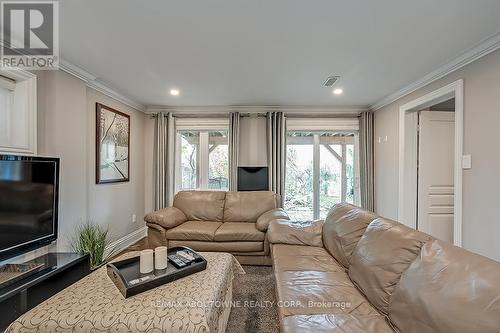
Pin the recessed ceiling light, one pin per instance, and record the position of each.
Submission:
(174, 92)
(338, 91)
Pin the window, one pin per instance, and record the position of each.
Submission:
(202, 155)
(321, 170)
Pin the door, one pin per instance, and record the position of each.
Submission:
(435, 174)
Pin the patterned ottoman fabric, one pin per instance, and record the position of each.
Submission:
(191, 304)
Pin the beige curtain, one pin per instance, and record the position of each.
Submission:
(234, 134)
(164, 160)
(276, 152)
(366, 163)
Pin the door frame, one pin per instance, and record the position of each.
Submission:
(407, 204)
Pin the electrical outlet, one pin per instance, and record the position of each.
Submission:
(134, 218)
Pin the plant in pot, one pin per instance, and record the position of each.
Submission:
(91, 239)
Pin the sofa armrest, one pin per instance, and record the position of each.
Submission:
(274, 214)
(168, 218)
(296, 233)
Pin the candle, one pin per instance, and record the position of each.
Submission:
(161, 258)
(146, 261)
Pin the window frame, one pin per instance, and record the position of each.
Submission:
(204, 126)
(341, 125)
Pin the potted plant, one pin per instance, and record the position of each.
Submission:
(91, 239)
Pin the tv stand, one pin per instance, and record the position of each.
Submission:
(60, 270)
(10, 273)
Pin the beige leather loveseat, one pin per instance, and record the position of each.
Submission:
(376, 275)
(234, 222)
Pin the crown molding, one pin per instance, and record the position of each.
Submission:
(92, 81)
(486, 46)
(222, 109)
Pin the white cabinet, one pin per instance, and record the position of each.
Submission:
(18, 112)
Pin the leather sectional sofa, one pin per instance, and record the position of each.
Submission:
(234, 222)
(371, 274)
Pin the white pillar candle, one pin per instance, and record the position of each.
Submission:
(161, 258)
(146, 261)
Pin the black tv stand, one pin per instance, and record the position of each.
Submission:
(61, 270)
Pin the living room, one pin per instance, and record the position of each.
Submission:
(278, 141)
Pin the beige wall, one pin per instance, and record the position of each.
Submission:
(62, 132)
(481, 184)
(66, 129)
(114, 204)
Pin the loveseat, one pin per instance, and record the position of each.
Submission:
(234, 222)
(371, 274)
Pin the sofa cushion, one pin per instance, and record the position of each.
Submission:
(238, 231)
(201, 205)
(194, 230)
(239, 247)
(384, 252)
(248, 206)
(341, 323)
(296, 232)
(277, 213)
(448, 289)
(344, 226)
(169, 217)
(315, 292)
(300, 250)
(303, 258)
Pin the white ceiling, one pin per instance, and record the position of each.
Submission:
(268, 52)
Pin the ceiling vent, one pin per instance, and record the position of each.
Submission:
(330, 81)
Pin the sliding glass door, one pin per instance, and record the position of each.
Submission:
(320, 172)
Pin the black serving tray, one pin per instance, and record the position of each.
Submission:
(124, 271)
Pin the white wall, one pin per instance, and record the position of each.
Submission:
(253, 146)
(66, 129)
(481, 184)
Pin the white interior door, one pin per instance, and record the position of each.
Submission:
(435, 174)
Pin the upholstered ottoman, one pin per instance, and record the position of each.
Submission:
(198, 303)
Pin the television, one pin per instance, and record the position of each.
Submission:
(253, 179)
(29, 189)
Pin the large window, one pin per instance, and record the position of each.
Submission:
(321, 171)
(202, 155)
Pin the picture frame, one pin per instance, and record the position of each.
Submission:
(112, 145)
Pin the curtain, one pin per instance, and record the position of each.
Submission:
(234, 134)
(164, 160)
(366, 164)
(276, 152)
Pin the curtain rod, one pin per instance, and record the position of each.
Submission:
(259, 115)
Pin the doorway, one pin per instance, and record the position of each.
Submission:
(430, 163)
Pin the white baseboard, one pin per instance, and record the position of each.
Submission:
(124, 242)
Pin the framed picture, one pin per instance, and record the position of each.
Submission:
(112, 145)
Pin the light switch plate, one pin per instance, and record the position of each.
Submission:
(466, 162)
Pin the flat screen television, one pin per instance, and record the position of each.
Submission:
(29, 189)
(253, 179)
